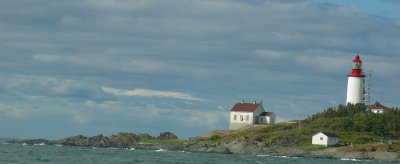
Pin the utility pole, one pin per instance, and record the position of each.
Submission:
(300, 122)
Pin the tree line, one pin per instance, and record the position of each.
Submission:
(358, 118)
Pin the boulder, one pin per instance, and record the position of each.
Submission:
(281, 140)
(219, 149)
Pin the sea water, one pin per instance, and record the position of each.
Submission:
(18, 153)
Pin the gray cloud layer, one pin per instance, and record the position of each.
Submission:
(293, 55)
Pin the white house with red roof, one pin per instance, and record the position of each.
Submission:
(377, 108)
(243, 114)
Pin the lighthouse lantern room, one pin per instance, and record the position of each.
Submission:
(355, 83)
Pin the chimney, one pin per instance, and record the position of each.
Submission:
(242, 101)
(255, 102)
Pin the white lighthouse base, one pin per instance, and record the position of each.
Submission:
(355, 86)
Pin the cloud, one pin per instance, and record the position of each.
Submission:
(78, 118)
(325, 63)
(293, 51)
(47, 58)
(70, 59)
(198, 118)
(270, 54)
(392, 1)
(149, 93)
(48, 87)
(15, 112)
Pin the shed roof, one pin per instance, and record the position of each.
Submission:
(329, 134)
(245, 107)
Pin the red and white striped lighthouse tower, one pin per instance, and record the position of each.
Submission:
(355, 83)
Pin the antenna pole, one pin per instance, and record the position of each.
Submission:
(367, 88)
(300, 122)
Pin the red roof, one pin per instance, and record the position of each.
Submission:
(357, 59)
(356, 72)
(377, 105)
(267, 113)
(245, 107)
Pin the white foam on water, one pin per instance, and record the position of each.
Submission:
(24, 144)
(263, 155)
(113, 148)
(58, 145)
(160, 150)
(351, 159)
(40, 144)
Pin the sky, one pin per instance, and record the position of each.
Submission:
(148, 66)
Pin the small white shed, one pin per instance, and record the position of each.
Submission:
(325, 138)
(377, 107)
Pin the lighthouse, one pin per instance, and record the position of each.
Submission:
(355, 83)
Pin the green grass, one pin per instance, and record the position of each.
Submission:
(310, 147)
(172, 142)
(158, 141)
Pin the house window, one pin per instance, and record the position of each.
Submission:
(234, 117)
(247, 118)
(321, 138)
(241, 117)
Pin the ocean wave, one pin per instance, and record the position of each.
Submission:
(352, 159)
(40, 144)
(160, 150)
(263, 155)
(276, 156)
(113, 148)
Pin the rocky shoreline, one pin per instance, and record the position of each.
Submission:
(245, 146)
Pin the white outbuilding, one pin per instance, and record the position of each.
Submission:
(266, 118)
(325, 138)
(377, 108)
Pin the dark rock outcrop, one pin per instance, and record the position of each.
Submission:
(78, 140)
(124, 140)
(281, 140)
(99, 141)
(30, 142)
(120, 140)
(167, 136)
